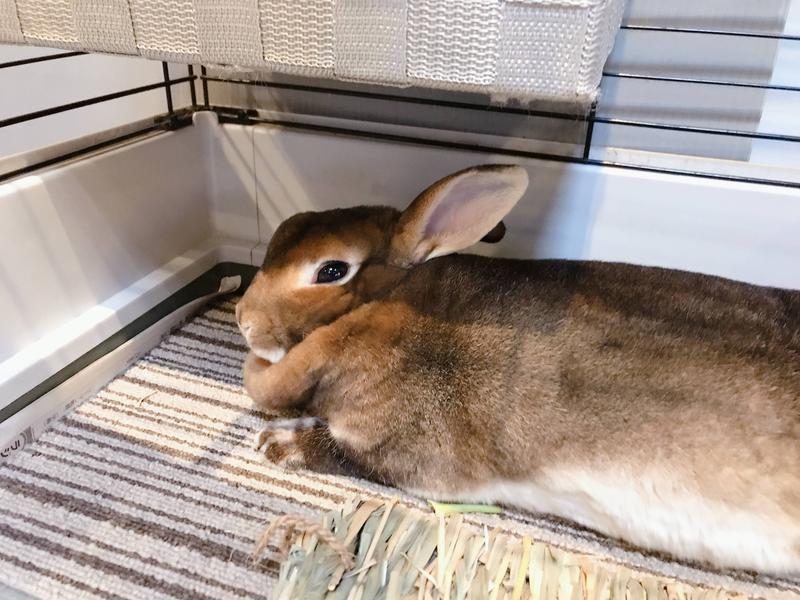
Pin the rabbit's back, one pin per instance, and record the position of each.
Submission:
(588, 388)
(618, 349)
(581, 358)
(542, 295)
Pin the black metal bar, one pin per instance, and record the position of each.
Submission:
(587, 143)
(744, 34)
(751, 135)
(88, 102)
(162, 125)
(206, 102)
(398, 98)
(167, 86)
(227, 115)
(192, 90)
(741, 84)
(37, 59)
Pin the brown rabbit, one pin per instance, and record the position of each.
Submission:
(656, 406)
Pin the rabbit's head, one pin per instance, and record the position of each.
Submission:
(321, 265)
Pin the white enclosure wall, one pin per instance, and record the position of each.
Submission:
(741, 231)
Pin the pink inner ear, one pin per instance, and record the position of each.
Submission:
(465, 206)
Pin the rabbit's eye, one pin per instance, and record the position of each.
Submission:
(331, 271)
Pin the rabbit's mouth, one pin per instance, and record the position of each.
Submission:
(265, 346)
(273, 354)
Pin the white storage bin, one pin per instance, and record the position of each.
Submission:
(524, 49)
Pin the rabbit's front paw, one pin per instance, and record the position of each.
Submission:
(279, 441)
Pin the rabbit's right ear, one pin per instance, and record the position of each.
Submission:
(456, 212)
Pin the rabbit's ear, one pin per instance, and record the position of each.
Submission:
(456, 212)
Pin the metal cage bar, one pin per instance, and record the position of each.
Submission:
(38, 59)
(741, 34)
(172, 119)
(46, 112)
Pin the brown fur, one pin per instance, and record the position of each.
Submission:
(448, 374)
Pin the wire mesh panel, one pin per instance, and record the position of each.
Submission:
(10, 29)
(523, 49)
(298, 35)
(370, 41)
(105, 25)
(48, 23)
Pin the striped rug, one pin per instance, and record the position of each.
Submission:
(151, 489)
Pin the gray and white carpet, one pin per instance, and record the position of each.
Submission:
(152, 489)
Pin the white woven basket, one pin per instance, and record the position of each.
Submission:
(524, 49)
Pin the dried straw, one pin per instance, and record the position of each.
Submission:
(389, 551)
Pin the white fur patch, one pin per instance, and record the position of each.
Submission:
(657, 512)
(282, 436)
(273, 355)
(285, 440)
(293, 424)
(282, 433)
(346, 436)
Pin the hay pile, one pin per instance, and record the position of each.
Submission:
(375, 549)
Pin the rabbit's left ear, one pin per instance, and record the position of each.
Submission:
(456, 212)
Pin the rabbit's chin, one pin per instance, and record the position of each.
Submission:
(273, 355)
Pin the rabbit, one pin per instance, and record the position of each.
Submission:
(655, 406)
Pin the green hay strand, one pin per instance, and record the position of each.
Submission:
(446, 509)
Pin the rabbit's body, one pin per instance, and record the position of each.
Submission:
(657, 406)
